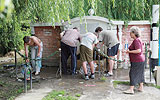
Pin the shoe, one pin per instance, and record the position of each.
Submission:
(140, 90)
(36, 73)
(86, 77)
(106, 71)
(128, 92)
(92, 76)
(108, 74)
(74, 73)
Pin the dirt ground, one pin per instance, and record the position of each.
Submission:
(94, 89)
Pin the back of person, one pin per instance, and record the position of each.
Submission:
(109, 38)
(89, 39)
(71, 37)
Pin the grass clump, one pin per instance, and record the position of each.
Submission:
(115, 83)
(78, 95)
(103, 78)
(59, 95)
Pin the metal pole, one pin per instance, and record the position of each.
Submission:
(159, 46)
(30, 77)
(25, 79)
(60, 66)
(99, 62)
(150, 67)
(146, 52)
(16, 62)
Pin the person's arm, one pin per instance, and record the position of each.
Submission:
(26, 51)
(62, 34)
(39, 46)
(79, 37)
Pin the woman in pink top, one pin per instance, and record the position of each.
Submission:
(137, 59)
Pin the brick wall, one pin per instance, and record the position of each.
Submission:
(50, 38)
(145, 35)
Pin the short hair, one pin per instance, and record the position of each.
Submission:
(98, 29)
(136, 31)
(75, 28)
(26, 39)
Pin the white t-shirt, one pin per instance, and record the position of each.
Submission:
(89, 39)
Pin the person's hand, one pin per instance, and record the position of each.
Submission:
(27, 60)
(38, 54)
(127, 51)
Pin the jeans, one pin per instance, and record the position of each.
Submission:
(36, 64)
(66, 51)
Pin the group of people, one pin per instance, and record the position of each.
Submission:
(69, 40)
(71, 37)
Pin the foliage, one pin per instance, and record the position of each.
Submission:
(58, 95)
(6, 7)
(12, 29)
(11, 34)
(128, 9)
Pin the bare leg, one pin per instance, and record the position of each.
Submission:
(140, 87)
(132, 88)
(111, 62)
(84, 67)
(92, 66)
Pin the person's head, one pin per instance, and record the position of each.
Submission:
(98, 29)
(135, 31)
(75, 28)
(26, 39)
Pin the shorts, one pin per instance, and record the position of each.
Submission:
(86, 54)
(113, 50)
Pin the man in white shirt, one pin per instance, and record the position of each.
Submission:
(89, 40)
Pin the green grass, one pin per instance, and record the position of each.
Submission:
(153, 85)
(115, 83)
(158, 87)
(59, 95)
(103, 78)
(10, 91)
(78, 95)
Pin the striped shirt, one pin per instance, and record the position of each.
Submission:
(71, 37)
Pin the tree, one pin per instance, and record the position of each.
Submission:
(25, 12)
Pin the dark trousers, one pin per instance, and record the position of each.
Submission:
(66, 51)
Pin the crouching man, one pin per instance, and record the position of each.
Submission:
(36, 52)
